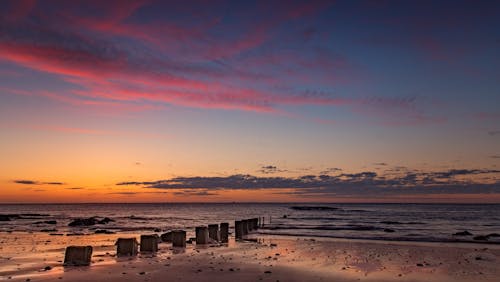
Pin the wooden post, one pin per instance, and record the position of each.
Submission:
(126, 247)
(238, 229)
(201, 235)
(149, 243)
(224, 232)
(244, 223)
(77, 255)
(213, 232)
(179, 238)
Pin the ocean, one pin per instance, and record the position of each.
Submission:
(395, 222)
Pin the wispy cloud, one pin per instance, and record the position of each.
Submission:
(269, 169)
(361, 184)
(34, 182)
(494, 132)
(119, 59)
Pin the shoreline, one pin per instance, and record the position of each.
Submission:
(266, 257)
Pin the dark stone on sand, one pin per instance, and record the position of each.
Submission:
(166, 237)
(481, 238)
(267, 272)
(83, 222)
(103, 231)
(48, 230)
(463, 233)
(89, 221)
(47, 268)
(419, 264)
(313, 208)
(493, 235)
(105, 220)
(4, 217)
(157, 230)
(388, 230)
(46, 222)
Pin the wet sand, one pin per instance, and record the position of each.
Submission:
(25, 256)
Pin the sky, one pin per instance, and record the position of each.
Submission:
(244, 101)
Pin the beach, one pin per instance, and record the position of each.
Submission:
(262, 257)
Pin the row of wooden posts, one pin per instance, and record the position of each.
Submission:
(81, 255)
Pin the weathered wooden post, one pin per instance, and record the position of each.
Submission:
(244, 223)
(224, 232)
(201, 235)
(179, 238)
(149, 243)
(77, 255)
(213, 232)
(126, 247)
(238, 229)
(256, 223)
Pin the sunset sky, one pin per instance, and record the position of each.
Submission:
(163, 101)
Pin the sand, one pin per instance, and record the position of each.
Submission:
(25, 256)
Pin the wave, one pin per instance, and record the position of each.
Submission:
(314, 208)
(325, 227)
(380, 238)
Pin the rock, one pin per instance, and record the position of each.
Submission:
(419, 264)
(166, 237)
(157, 230)
(46, 222)
(388, 230)
(47, 268)
(493, 235)
(83, 222)
(89, 221)
(105, 220)
(481, 238)
(463, 233)
(4, 217)
(103, 231)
